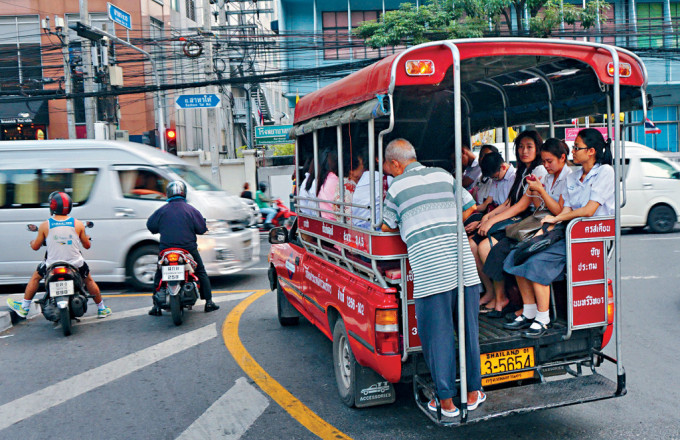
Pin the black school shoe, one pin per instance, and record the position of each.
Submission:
(211, 307)
(532, 333)
(520, 323)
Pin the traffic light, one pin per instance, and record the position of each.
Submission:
(171, 140)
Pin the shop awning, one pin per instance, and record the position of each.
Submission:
(24, 112)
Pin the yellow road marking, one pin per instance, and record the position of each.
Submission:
(298, 410)
(132, 295)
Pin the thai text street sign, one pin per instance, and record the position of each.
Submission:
(272, 134)
(119, 16)
(208, 100)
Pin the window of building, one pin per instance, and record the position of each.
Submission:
(142, 184)
(191, 9)
(675, 18)
(174, 4)
(336, 39)
(31, 188)
(650, 24)
(20, 56)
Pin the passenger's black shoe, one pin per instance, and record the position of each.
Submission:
(535, 333)
(155, 311)
(521, 322)
(211, 307)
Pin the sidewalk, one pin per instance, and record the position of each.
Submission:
(7, 319)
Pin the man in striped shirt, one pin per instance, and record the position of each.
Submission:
(421, 204)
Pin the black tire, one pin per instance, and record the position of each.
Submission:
(280, 298)
(176, 309)
(344, 364)
(141, 267)
(65, 321)
(661, 219)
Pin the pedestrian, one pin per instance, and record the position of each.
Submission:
(246, 193)
(421, 205)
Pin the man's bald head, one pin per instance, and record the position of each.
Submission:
(400, 150)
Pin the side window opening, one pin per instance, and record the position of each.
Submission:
(30, 188)
(142, 184)
(658, 168)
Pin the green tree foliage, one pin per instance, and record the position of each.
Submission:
(442, 19)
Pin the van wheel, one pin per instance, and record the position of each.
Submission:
(344, 364)
(141, 267)
(661, 219)
(281, 301)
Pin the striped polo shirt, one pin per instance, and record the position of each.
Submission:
(421, 202)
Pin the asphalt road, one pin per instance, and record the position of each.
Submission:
(134, 376)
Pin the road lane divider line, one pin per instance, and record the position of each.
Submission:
(230, 416)
(298, 410)
(144, 310)
(53, 395)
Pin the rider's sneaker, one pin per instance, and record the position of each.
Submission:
(210, 306)
(103, 313)
(16, 306)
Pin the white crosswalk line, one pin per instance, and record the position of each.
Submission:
(144, 310)
(230, 416)
(46, 398)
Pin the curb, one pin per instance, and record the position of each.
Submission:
(5, 321)
(8, 319)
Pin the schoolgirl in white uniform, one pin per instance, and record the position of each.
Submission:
(589, 192)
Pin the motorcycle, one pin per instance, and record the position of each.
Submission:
(284, 216)
(65, 293)
(179, 285)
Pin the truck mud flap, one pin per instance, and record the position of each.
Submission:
(523, 399)
(371, 389)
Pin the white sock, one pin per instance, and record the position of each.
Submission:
(26, 304)
(530, 310)
(543, 317)
(101, 305)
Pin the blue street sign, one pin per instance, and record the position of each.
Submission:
(208, 100)
(119, 16)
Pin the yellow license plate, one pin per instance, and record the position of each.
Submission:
(507, 361)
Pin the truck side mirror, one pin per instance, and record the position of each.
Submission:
(278, 235)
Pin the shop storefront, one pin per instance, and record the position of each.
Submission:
(24, 121)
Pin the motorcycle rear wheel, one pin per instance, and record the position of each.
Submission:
(176, 309)
(65, 320)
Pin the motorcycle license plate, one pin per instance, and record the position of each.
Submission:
(61, 288)
(173, 273)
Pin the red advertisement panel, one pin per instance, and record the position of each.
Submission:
(413, 338)
(589, 304)
(587, 261)
(351, 237)
(593, 229)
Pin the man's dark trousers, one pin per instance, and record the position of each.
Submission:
(435, 316)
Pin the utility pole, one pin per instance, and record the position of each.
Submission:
(70, 113)
(226, 100)
(88, 82)
(210, 70)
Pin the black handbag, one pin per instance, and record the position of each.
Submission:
(538, 243)
(526, 228)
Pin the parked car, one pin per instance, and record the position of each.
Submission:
(117, 185)
(652, 188)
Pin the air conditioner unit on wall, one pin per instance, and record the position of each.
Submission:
(122, 135)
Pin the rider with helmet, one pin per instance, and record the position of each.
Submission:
(63, 236)
(262, 202)
(178, 223)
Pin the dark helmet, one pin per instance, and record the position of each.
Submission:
(262, 186)
(176, 188)
(60, 203)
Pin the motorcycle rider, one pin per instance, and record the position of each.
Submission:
(263, 202)
(178, 223)
(63, 236)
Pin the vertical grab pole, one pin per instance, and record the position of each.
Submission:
(375, 223)
(618, 168)
(457, 114)
(315, 139)
(341, 174)
(297, 174)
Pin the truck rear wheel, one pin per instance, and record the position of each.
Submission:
(344, 364)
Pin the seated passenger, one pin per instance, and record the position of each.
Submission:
(362, 196)
(471, 168)
(481, 187)
(328, 179)
(589, 192)
(353, 168)
(308, 191)
(544, 194)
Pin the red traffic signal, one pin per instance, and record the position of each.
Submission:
(171, 140)
(170, 134)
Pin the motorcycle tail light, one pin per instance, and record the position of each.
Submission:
(173, 258)
(60, 270)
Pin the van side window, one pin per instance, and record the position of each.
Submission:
(142, 184)
(658, 168)
(30, 188)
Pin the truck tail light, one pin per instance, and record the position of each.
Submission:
(610, 316)
(387, 331)
(419, 67)
(624, 69)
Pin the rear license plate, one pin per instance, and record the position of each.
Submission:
(61, 288)
(173, 273)
(507, 361)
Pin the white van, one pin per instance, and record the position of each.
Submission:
(652, 187)
(117, 185)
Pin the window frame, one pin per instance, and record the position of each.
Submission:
(9, 200)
